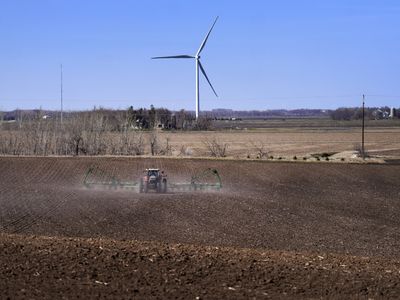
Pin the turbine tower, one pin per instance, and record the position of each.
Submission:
(198, 66)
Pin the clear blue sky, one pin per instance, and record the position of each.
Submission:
(261, 55)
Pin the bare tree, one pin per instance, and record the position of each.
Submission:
(261, 152)
(95, 132)
(71, 136)
(138, 144)
(153, 141)
(215, 147)
(165, 149)
(203, 123)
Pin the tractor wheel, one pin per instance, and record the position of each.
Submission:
(141, 186)
(159, 187)
(164, 186)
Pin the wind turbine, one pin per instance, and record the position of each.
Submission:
(198, 66)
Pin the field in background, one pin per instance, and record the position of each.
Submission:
(287, 138)
(257, 123)
(287, 142)
(245, 139)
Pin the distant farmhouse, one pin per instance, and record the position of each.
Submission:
(383, 113)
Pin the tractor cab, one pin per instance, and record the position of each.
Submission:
(152, 175)
(153, 172)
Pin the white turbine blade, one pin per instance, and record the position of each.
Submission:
(205, 75)
(206, 38)
(175, 56)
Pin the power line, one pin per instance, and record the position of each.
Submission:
(261, 99)
(383, 96)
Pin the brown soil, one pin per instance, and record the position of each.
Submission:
(283, 229)
(102, 268)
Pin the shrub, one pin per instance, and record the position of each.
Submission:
(215, 147)
(260, 150)
(203, 123)
(185, 151)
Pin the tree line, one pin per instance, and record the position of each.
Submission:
(95, 132)
(355, 113)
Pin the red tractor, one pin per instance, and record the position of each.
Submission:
(155, 180)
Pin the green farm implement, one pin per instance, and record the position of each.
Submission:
(153, 180)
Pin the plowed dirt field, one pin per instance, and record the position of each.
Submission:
(275, 229)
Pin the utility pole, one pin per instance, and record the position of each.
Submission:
(61, 117)
(363, 128)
